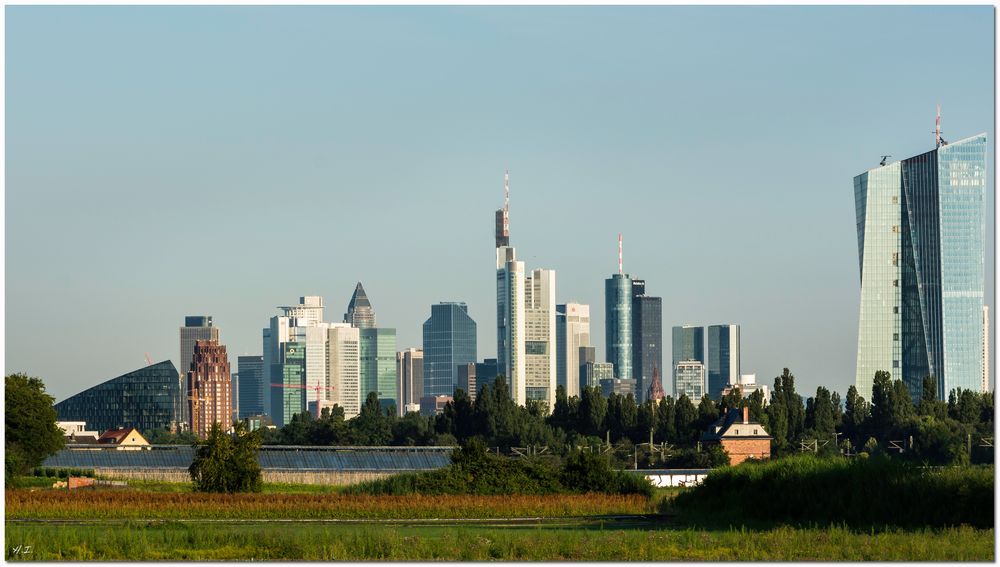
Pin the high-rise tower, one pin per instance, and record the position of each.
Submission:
(510, 307)
(618, 319)
(449, 342)
(723, 358)
(196, 328)
(647, 337)
(360, 312)
(921, 253)
(572, 332)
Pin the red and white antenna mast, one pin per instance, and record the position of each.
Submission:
(937, 128)
(506, 202)
(620, 254)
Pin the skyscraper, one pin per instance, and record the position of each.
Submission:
(588, 355)
(618, 319)
(148, 398)
(688, 343)
(449, 342)
(251, 390)
(378, 364)
(288, 393)
(986, 349)
(210, 395)
(540, 336)
(689, 379)
(360, 312)
(343, 359)
(572, 332)
(409, 379)
(302, 324)
(647, 337)
(723, 358)
(921, 254)
(196, 328)
(510, 306)
(486, 373)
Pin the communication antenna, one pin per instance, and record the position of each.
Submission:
(620, 253)
(506, 202)
(937, 128)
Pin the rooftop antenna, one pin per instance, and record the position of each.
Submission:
(883, 160)
(506, 201)
(619, 253)
(937, 128)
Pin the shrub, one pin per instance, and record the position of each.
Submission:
(225, 463)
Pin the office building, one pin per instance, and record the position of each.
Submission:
(288, 393)
(540, 336)
(409, 379)
(747, 384)
(647, 337)
(486, 374)
(196, 328)
(449, 342)
(467, 379)
(510, 279)
(250, 395)
(688, 343)
(378, 364)
(343, 358)
(986, 349)
(303, 324)
(921, 254)
(618, 319)
(360, 312)
(593, 372)
(572, 332)
(209, 389)
(723, 357)
(587, 355)
(148, 398)
(689, 379)
(618, 386)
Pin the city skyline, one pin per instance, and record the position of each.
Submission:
(783, 210)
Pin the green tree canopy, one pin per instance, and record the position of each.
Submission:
(227, 463)
(31, 432)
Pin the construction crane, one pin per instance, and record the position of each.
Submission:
(883, 159)
(149, 361)
(317, 388)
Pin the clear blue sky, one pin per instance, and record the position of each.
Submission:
(172, 161)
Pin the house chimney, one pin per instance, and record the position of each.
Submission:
(746, 415)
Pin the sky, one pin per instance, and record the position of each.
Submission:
(172, 161)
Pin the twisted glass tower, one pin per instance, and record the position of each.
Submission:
(921, 253)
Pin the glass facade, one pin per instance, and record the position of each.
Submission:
(689, 379)
(449, 342)
(288, 396)
(723, 358)
(687, 343)
(647, 337)
(251, 390)
(618, 323)
(378, 363)
(146, 399)
(572, 332)
(921, 252)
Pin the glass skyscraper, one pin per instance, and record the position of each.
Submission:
(723, 358)
(288, 397)
(647, 337)
(687, 344)
(921, 253)
(378, 364)
(618, 323)
(449, 341)
(251, 390)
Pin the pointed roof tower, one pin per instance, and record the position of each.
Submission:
(655, 392)
(360, 312)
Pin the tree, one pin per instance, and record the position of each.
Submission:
(856, 415)
(666, 430)
(371, 426)
(31, 431)
(929, 404)
(707, 413)
(227, 463)
(593, 407)
(685, 416)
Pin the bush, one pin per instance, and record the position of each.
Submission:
(225, 463)
(475, 471)
(858, 492)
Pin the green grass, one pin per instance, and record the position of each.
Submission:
(270, 541)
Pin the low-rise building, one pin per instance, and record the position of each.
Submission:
(124, 439)
(75, 432)
(747, 384)
(741, 438)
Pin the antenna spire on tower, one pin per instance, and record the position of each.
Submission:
(937, 128)
(506, 202)
(620, 254)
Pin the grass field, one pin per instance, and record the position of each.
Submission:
(590, 542)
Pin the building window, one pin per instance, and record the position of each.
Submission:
(895, 283)
(895, 336)
(895, 364)
(895, 200)
(895, 309)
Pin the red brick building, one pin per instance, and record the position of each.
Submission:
(210, 389)
(741, 438)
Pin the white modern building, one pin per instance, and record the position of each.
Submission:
(747, 383)
(540, 336)
(343, 357)
(572, 332)
(689, 379)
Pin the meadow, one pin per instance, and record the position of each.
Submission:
(178, 541)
